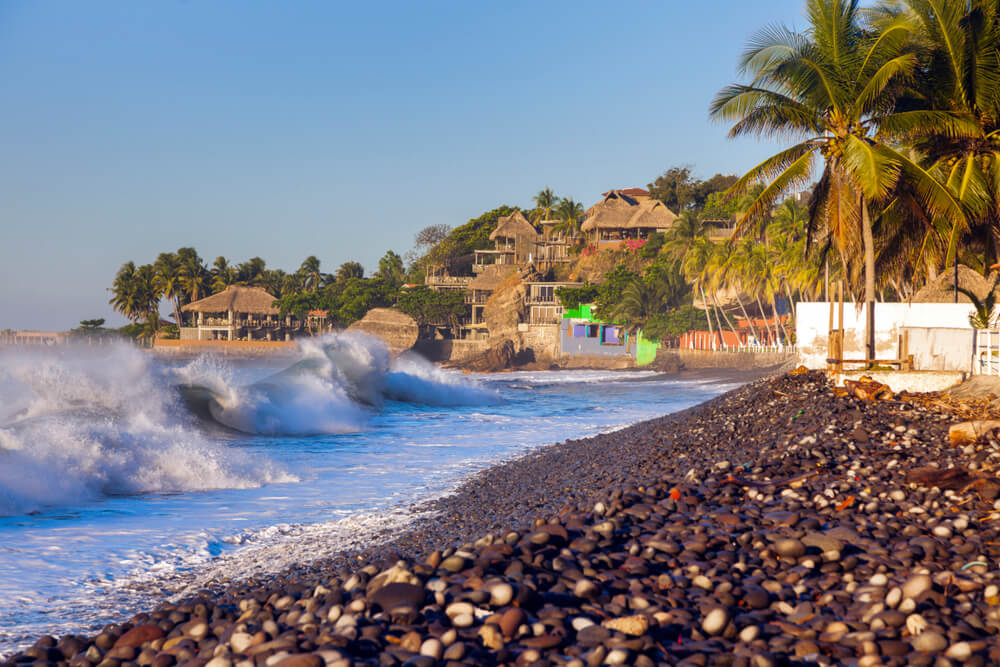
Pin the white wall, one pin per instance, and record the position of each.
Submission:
(940, 333)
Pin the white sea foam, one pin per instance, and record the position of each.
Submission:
(82, 423)
(335, 387)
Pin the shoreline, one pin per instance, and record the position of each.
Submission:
(636, 498)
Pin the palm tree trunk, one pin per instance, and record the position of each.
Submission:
(708, 316)
(777, 318)
(753, 329)
(869, 244)
(728, 321)
(770, 325)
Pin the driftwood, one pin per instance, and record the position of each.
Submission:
(957, 479)
(966, 432)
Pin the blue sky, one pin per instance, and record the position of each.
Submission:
(328, 128)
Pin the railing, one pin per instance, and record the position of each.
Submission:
(447, 280)
(986, 356)
(477, 299)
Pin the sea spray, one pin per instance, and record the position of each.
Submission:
(337, 385)
(81, 423)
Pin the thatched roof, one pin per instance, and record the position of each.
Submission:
(652, 214)
(492, 276)
(942, 289)
(514, 226)
(396, 328)
(612, 212)
(238, 299)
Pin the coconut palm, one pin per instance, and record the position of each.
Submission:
(833, 89)
(194, 277)
(312, 277)
(168, 281)
(686, 230)
(545, 203)
(251, 272)
(958, 44)
(222, 274)
(570, 214)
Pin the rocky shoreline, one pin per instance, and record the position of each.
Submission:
(775, 524)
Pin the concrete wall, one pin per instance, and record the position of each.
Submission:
(543, 339)
(189, 333)
(933, 324)
(588, 347)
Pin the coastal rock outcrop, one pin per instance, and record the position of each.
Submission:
(396, 328)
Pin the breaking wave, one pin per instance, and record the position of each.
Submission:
(336, 386)
(77, 424)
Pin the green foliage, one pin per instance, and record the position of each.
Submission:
(428, 306)
(653, 245)
(390, 268)
(611, 290)
(675, 322)
(572, 297)
(680, 191)
(456, 249)
(985, 307)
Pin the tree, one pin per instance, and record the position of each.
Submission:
(832, 87)
(675, 188)
(168, 281)
(570, 214)
(251, 272)
(545, 204)
(430, 307)
(390, 268)
(349, 270)
(222, 275)
(194, 277)
(310, 274)
(430, 236)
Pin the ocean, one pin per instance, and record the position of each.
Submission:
(125, 478)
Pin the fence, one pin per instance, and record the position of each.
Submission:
(986, 352)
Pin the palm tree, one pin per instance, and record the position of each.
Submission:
(832, 88)
(545, 203)
(686, 230)
(570, 213)
(223, 275)
(168, 281)
(693, 264)
(350, 270)
(251, 272)
(123, 292)
(958, 44)
(312, 277)
(194, 277)
(641, 299)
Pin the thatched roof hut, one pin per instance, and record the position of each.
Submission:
(612, 212)
(514, 226)
(942, 288)
(235, 298)
(396, 328)
(491, 277)
(651, 214)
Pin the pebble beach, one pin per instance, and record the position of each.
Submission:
(776, 524)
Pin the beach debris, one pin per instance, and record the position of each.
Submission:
(867, 389)
(970, 431)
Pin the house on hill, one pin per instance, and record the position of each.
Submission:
(621, 217)
(237, 313)
(515, 240)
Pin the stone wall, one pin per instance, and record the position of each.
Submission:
(543, 339)
(718, 359)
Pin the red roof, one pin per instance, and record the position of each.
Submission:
(629, 192)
